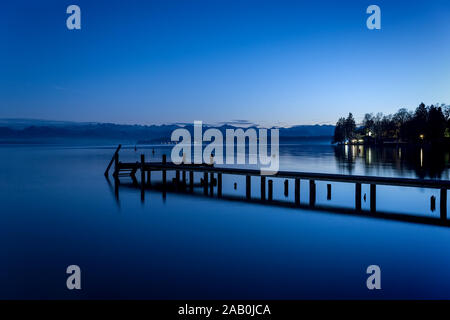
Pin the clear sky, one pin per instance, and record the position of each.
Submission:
(271, 62)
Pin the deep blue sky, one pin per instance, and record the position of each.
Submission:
(272, 62)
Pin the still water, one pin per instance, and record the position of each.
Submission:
(57, 209)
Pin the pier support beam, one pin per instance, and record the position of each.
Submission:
(116, 165)
(358, 196)
(373, 197)
(248, 186)
(312, 193)
(263, 188)
(270, 187)
(142, 170)
(328, 191)
(219, 185)
(286, 187)
(443, 200)
(297, 191)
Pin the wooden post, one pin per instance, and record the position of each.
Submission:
(116, 165)
(297, 191)
(205, 183)
(263, 188)
(443, 200)
(433, 203)
(358, 196)
(219, 184)
(248, 186)
(373, 197)
(177, 178)
(142, 170)
(270, 187)
(191, 181)
(142, 178)
(113, 159)
(328, 191)
(211, 184)
(286, 187)
(164, 160)
(312, 193)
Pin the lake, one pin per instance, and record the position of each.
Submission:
(57, 209)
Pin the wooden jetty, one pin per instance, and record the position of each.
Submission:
(212, 177)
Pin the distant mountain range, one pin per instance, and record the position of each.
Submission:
(41, 131)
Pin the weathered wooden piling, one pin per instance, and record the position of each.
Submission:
(358, 196)
(328, 191)
(263, 188)
(219, 184)
(297, 191)
(312, 193)
(443, 202)
(248, 187)
(433, 203)
(373, 197)
(270, 187)
(286, 187)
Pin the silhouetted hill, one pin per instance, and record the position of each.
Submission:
(29, 130)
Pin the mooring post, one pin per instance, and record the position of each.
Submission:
(270, 186)
(191, 180)
(211, 184)
(329, 191)
(142, 170)
(177, 178)
(219, 184)
(312, 193)
(373, 197)
(297, 191)
(205, 183)
(248, 186)
(443, 200)
(164, 160)
(358, 196)
(286, 187)
(263, 188)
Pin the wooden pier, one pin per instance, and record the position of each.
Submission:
(212, 178)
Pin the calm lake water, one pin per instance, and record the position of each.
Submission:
(57, 209)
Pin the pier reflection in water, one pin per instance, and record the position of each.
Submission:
(212, 178)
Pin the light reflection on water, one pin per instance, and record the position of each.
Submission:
(57, 209)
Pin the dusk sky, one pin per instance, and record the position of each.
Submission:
(270, 62)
